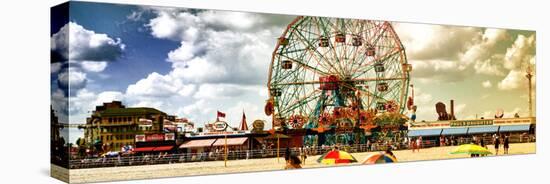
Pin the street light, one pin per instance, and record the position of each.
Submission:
(529, 75)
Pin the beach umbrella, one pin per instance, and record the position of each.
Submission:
(336, 157)
(379, 158)
(470, 149)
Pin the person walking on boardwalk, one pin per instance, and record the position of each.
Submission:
(506, 144)
(303, 155)
(497, 144)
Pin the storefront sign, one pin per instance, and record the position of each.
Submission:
(140, 138)
(471, 123)
(169, 137)
(220, 126)
(154, 137)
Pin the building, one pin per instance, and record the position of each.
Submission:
(116, 125)
(518, 129)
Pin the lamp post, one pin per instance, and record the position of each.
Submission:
(529, 75)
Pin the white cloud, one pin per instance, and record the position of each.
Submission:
(211, 41)
(55, 67)
(427, 42)
(490, 66)
(72, 78)
(217, 91)
(76, 51)
(155, 85)
(514, 80)
(438, 71)
(92, 66)
(74, 42)
(487, 84)
(521, 53)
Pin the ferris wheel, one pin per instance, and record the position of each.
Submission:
(336, 72)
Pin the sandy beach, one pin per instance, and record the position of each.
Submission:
(233, 166)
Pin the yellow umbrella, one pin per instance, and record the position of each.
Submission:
(471, 149)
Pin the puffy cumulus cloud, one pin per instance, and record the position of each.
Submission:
(521, 53)
(483, 51)
(518, 58)
(156, 85)
(514, 80)
(487, 84)
(216, 64)
(233, 45)
(198, 110)
(71, 78)
(427, 42)
(490, 66)
(92, 66)
(218, 91)
(74, 42)
(60, 104)
(428, 71)
(77, 51)
(452, 53)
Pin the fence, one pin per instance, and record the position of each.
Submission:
(165, 158)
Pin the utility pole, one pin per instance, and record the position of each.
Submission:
(529, 75)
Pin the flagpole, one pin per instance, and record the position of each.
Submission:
(225, 160)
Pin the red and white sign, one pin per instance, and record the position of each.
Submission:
(169, 137)
(143, 121)
(140, 138)
(154, 137)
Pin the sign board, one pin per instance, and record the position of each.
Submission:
(154, 137)
(140, 138)
(479, 122)
(258, 126)
(169, 136)
(220, 126)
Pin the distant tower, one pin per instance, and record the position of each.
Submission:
(529, 76)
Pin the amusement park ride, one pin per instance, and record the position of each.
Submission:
(337, 74)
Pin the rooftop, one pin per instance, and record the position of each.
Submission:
(129, 111)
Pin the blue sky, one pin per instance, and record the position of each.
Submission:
(193, 63)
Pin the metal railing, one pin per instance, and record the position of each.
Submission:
(167, 158)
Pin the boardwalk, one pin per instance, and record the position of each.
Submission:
(217, 167)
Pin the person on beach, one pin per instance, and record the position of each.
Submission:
(293, 162)
(389, 152)
(506, 144)
(482, 144)
(413, 144)
(419, 144)
(497, 144)
(287, 153)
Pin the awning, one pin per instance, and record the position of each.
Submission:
(425, 132)
(198, 143)
(514, 128)
(236, 141)
(454, 131)
(275, 136)
(144, 149)
(163, 148)
(483, 129)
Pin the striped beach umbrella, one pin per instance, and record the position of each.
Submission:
(379, 158)
(471, 149)
(336, 157)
